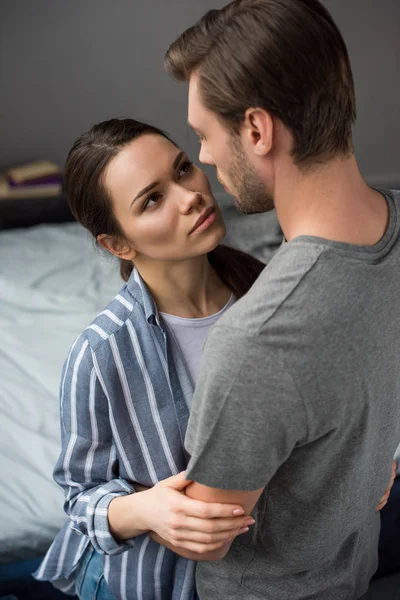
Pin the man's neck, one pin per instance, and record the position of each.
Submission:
(331, 201)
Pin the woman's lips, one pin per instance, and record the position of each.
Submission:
(207, 219)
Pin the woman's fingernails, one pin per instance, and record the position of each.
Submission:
(238, 512)
(243, 530)
(250, 521)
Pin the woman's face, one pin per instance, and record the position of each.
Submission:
(162, 202)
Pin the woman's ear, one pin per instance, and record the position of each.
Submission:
(116, 246)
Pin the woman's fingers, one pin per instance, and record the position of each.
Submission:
(209, 539)
(394, 471)
(199, 548)
(209, 510)
(175, 482)
(381, 504)
(383, 501)
(212, 529)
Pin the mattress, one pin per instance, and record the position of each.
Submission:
(53, 281)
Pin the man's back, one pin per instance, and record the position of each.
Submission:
(307, 404)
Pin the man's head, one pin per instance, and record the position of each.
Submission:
(266, 77)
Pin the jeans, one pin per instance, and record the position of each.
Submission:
(90, 582)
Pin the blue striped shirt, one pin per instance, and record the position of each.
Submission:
(124, 401)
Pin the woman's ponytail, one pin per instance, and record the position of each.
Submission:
(237, 269)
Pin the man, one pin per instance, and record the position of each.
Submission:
(297, 404)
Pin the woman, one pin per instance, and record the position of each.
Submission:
(128, 380)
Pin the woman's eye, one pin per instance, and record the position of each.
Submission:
(185, 168)
(151, 201)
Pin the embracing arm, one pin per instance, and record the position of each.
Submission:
(247, 500)
(242, 428)
(246, 419)
(383, 501)
(194, 529)
(103, 506)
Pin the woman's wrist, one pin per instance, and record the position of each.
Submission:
(188, 554)
(127, 516)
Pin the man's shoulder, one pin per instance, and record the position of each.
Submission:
(277, 283)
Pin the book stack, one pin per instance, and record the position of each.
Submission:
(36, 179)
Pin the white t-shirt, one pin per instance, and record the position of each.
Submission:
(190, 336)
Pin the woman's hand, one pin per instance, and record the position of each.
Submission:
(385, 497)
(189, 525)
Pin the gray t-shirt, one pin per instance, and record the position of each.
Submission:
(299, 391)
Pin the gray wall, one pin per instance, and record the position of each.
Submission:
(66, 64)
(371, 29)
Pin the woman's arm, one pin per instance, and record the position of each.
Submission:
(189, 527)
(207, 554)
(88, 459)
(105, 508)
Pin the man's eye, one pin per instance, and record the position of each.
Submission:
(185, 168)
(151, 201)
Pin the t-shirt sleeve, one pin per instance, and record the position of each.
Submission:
(247, 416)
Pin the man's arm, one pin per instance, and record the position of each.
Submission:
(247, 500)
(246, 418)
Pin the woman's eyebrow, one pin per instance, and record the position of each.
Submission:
(177, 160)
(144, 191)
(149, 187)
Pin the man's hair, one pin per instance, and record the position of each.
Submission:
(285, 56)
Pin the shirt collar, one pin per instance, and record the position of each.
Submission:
(141, 293)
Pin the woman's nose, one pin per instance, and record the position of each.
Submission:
(189, 200)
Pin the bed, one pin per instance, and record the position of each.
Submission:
(53, 281)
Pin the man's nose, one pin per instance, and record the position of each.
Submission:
(205, 156)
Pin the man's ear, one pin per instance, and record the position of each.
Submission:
(258, 131)
(116, 246)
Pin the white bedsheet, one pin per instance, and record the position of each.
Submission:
(52, 283)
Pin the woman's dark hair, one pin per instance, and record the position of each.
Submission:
(88, 197)
(90, 202)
